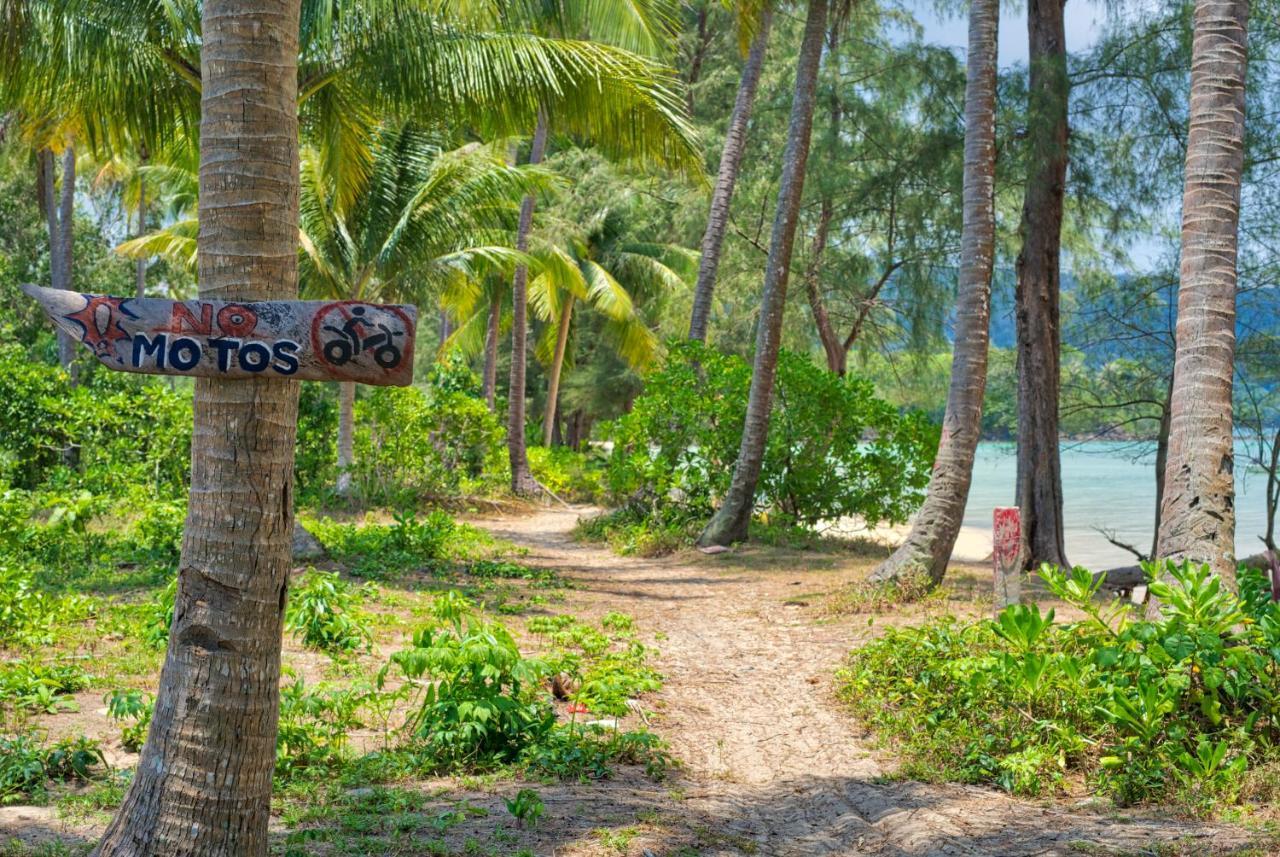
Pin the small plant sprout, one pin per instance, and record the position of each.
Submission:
(527, 807)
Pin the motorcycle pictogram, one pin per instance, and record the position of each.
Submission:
(351, 343)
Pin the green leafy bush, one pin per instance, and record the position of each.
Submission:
(412, 442)
(29, 615)
(576, 477)
(378, 550)
(132, 709)
(316, 723)
(480, 701)
(41, 688)
(125, 430)
(1177, 708)
(324, 612)
(26, 765)
(834, 449)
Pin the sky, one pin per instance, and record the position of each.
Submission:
(1083, 18)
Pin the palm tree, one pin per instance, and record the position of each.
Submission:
(640, 26)
(608, 273)
(735, 143)
(422, 219)
(1197, 517)
(928, 546)
(419, 222)
(1039, 480)
(203, 783)
(729, 524)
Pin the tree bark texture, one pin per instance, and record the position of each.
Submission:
(346, 436)
(59, 214)
(203, 782)
(924, 554)
(731, 520)
(1197, 519)
(522, 481)
(735, 142)
(491, 354)
(557, 368)
(1039, 472)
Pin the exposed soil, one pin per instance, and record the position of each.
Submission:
(770, 763)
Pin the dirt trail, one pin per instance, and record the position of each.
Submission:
(771, 764)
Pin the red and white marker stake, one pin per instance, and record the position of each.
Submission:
(1006, 526)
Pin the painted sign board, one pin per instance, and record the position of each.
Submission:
(1006, 531)
(302, 340)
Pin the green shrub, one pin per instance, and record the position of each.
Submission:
(412, 442)
(29, 615)
(834, 449)
(1177, 708)
(576, 477)
(40, 688)
(324, 612)
(316, 723)
(480, 701)
(377, 550)
(26, 766)
(132, 709)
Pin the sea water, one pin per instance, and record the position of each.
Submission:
(1111, 486)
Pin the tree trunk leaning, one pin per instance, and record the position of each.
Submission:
(557, 367)
(522, 481)
(924, 554)
(731, 520)
(735, 142)
(346, 436)
(203, 782)
(1039, 472)
(1197, 520)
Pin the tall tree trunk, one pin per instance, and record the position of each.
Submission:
(346, 436)
(446, 327)
(58, 212)
(203, 783)
(700, 45)
(557, 366)
(735, 142)
(1198, 512)
(1039, 479)
(140, 266)
(491, 354)
(730, 522)
(1162, 460)
(831, 344)
(522, 481)
(924, 554)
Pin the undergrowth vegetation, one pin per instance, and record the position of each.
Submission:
(1183, 708)
(834, 450)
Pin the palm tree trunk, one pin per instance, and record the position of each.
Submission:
(203, 783)
(1197, 521)
(729, 524)
(1162, 460)
(924, 554)
(522, 481)
(1039, 479)
(140, 266)
(59, 211)
(491, 354)
(735, 142)
(557, 366)
(346, 436)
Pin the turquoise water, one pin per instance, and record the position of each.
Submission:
(1109, 485)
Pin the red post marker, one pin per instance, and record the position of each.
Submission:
(1006, 535)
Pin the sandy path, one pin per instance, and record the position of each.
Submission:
(772, 765)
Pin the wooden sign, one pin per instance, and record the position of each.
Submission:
(1006, 537)
(302, 340)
